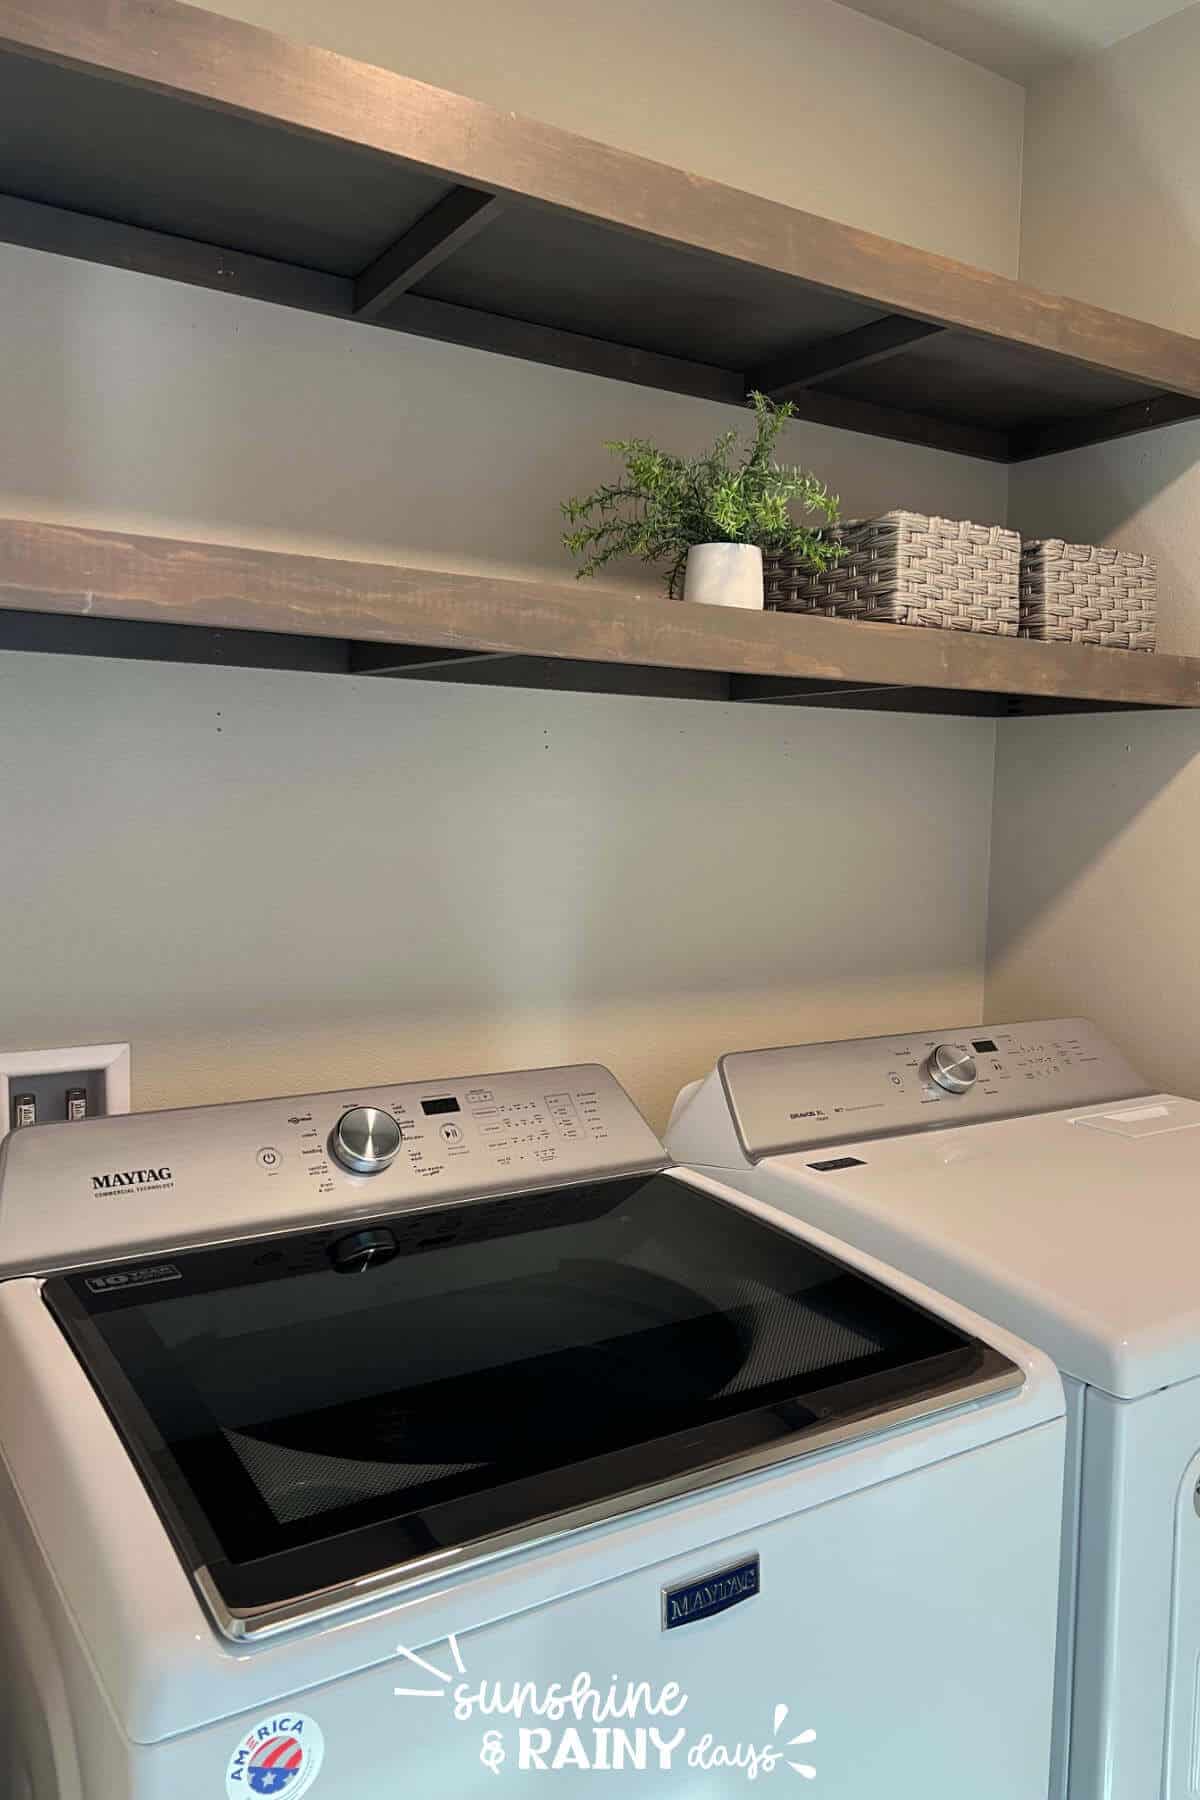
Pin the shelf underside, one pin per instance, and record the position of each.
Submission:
(163, 139)
(69, 590)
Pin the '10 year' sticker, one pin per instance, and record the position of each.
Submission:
(280, 1755)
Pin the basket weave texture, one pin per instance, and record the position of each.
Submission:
(1079, 594)
(906, 569)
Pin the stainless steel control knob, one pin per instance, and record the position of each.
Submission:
(953, 1068)
(366, 1140)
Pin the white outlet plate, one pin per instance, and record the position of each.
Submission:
(108, 1063)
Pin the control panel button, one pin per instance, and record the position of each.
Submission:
(362, 1250)
(453, 1134)
(366, 1140)
(952, 1068)
(268, 1157)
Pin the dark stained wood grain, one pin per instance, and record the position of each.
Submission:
(133, 247)
(134, 640)
(848, 413)
(217, 62)
(42, 227)
(410, 659)
(561, 675)
(121, 246)
(453, 222)
(1123, 421)
(64, 233)
(89, 575)
(886, 337)
(483, 330)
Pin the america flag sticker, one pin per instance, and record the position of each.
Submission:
(280, 1755)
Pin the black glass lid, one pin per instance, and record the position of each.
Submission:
(310, 1409)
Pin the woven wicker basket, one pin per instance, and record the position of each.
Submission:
(1078, 594)
(905, 569)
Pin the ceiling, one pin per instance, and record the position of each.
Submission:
(1020, 38)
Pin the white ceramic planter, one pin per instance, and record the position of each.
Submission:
(725, 575)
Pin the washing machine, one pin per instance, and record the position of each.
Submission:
(431, 1437)
(1029, 1171)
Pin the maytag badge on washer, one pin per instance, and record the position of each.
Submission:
(690, 1601)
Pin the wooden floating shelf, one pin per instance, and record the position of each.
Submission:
(156, 137)
(100, 593)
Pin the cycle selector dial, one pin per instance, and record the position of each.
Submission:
(952, 1068)
(365, 1139)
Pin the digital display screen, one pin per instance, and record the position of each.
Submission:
(986, 1047)
(447, 1103)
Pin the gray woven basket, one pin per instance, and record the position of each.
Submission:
(1079, 594)
(905, 569)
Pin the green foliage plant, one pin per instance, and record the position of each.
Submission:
(734, 494)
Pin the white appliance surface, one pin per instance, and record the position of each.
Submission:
(1057, 1196)
(905, 1563)
(1085, 1240)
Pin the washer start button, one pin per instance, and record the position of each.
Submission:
(268, 1157)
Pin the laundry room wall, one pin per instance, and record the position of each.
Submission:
(805, 101)
(1096, 852)
(271, 882)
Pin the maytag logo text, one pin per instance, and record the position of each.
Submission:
(129, 1178)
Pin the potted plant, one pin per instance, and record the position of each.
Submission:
(709, 518)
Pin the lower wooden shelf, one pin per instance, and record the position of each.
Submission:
(99, 593)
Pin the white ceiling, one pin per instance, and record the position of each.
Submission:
(1020, 38)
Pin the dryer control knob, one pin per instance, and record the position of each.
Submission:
(952, 1067)
(366, 1140)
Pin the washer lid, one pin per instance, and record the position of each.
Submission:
(319, 1426)
(1079, 1231)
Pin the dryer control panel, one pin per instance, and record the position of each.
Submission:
(806, 1095)
(70, 1194)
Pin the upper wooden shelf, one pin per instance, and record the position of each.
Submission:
(157, 137)
(100, 593)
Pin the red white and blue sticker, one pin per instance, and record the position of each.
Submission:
(280, 1755)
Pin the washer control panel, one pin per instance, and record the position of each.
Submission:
(812, 1094)
(108, 1185)
(479, 1133)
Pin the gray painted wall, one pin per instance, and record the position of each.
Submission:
(1096, 858)
(272, 883)
(280, 882)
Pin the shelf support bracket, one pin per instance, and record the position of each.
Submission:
(441, 231)
(851, 350)
(405, 659)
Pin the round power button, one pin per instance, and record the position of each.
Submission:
(268, 1157)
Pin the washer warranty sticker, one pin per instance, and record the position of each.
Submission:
(279, 1755)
